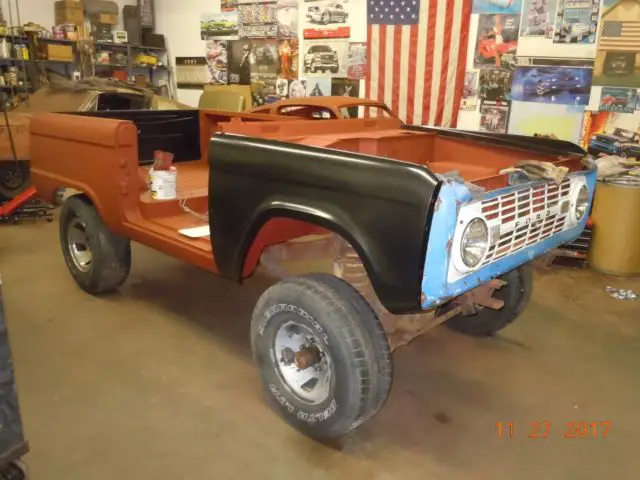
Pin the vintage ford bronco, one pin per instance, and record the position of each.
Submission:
(424, 212)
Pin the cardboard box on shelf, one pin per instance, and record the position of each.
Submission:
(104, 18)
(58, 53)
(69, 11)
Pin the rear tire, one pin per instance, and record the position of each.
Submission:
(352, 378)
(98, 259)
(486, 322)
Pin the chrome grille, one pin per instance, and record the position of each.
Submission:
(505, 215)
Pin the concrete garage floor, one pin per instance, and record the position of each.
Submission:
(156, 382)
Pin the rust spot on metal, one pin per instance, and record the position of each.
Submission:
(482, 296)
(307, 357)
(449, 244)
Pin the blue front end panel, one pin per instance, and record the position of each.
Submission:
(518, 234)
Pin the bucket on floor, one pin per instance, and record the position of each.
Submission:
(164, 184)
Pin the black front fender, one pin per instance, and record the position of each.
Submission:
(382, 207)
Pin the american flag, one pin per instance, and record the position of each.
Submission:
(621, 36)
(417, 57)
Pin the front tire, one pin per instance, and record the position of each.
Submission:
(345, 375)
(98, 259)
(487, 322)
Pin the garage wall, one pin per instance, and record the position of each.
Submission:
(179, 21)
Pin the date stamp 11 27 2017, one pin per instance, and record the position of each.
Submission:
(546, 429)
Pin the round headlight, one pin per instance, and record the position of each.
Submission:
(474, 244)
(582, 202)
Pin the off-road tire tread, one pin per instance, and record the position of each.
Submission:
(111, 262)
(341, 302)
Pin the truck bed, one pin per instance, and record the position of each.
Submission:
(119, 146)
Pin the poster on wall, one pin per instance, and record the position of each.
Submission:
(263, 56)
(298, 88)
(288, 54)
(559, 28)
(538, 18)
(239, 61)
(618, 52)
(564, 121)
(576, 21)
(497, 41)
(318, 86)
(346, 87)
(615, 99)
(326, 19)
(497, 6)
(552, 84)
(611, 133)
(287, 18)
(493, 118)
(494, 85)
(226, 5)
(327, 57)
(264, 89)
(217, 61)
(257, 20)
(470, 91)
(223, 25)
(357, 60)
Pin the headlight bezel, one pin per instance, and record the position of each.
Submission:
(580, 189)
(462, 264)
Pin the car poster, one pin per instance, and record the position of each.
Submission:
(493, 118)
(497, 6)
(576, 21)
(326, 58)
(217, 61)
(497, 41)
(552, 80)
(611, 133)
(564, 121)
(469, 100)
(551, 84)
(559, 28)
(538, 18)
(618, 45)
(615, 99)
(326, 18)
(257, 20)
(357, 60)
(318, 86)
(223, 25)
(287, 18)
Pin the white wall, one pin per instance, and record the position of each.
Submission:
(179, 21)
(42, 11)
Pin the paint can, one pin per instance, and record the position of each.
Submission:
(164, 184)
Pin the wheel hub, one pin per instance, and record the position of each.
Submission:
(12, 178)
(78, 245)
(303, 366)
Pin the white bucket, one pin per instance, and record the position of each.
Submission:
(164, 184)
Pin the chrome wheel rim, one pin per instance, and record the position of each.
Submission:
(540, 90)
(78, 245)
(302, 362)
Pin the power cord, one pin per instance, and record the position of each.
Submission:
(183, 204)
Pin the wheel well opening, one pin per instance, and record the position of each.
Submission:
(284, 247)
